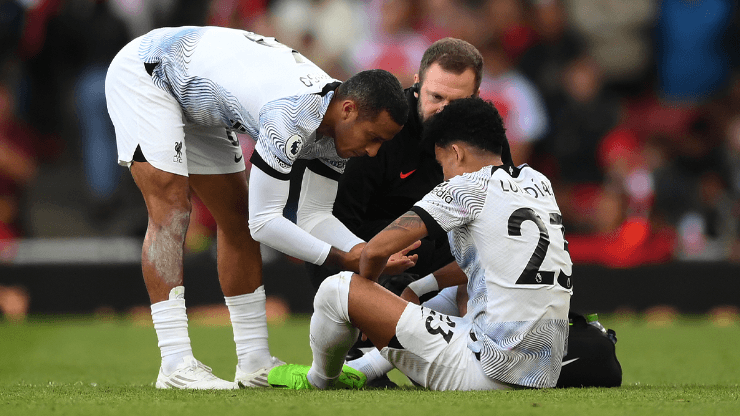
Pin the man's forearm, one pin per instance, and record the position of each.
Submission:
(345, 260)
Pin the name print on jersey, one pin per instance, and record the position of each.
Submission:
(310, 79)
(534, 190)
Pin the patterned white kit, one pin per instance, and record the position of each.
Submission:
(506, 233)
(202, 82)
(145, 115)
(435, 352)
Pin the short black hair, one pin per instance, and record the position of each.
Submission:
(373, 91)
(453, 55)
(473, 121)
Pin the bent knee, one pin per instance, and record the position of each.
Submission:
(169, 210)
(333, 295)
(174, 223)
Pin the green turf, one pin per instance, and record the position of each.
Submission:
(93, 367)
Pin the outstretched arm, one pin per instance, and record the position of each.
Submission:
(318, 192)
(400, 235)
(267, 198)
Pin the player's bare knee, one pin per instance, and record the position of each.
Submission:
(173, 218)
(169, 207)
(178, 222)
(332, 297)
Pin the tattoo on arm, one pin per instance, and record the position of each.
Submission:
(407, 221)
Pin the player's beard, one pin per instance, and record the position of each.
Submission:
(419, 112)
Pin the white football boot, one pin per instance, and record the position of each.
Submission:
(257, 378)
(192, 374)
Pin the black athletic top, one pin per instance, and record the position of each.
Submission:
(374, 191)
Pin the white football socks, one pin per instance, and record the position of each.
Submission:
(171, 324)
(372, 364)
(331, 334)
(249, 321)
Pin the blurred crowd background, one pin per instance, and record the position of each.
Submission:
(631, 107)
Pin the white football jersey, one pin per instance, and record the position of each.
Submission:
(248, 83)
(506, 233)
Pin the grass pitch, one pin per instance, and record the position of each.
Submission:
(87, 366)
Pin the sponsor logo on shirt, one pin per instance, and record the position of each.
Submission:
(442, 193)
(339, 164)
(281, 163)
(407, 174)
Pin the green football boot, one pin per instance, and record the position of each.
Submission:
(350, 379)
(295, 377)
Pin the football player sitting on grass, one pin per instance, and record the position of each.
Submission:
(506, 234)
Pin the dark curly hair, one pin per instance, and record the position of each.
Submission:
(373, 91)
(473, 121)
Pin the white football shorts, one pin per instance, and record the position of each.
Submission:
(148, 117)
(445, 302)
(435, 352)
